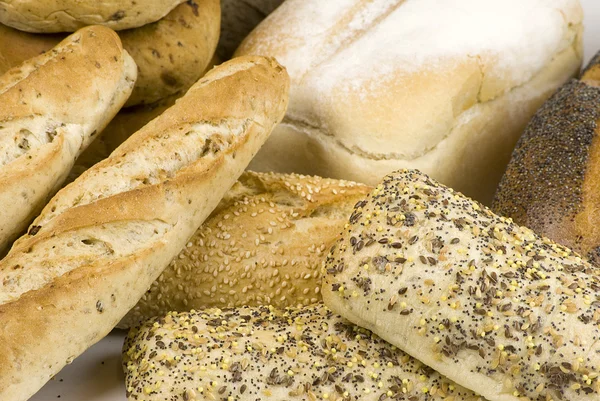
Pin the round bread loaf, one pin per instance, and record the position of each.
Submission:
(171, 54)
(263, 245)
(69, 15)
(551, 183)
(381, 85)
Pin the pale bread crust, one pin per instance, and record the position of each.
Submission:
(485, 302)
(102, 240)
(50, 16)
(171, 54)
(48, 120)
(359, 124)
(263, 245)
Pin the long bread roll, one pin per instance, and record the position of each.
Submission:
(263, 245)
(102, 240)
(489, 304)
(551, 183)
(51, 107)
(249, 354)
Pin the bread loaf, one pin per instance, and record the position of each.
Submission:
(264, 353)
(487, 303)
(101, 241)
(443, 86)
(69, 15)
(171, 54)
(551, 183)
(263, 245)
(47, 120)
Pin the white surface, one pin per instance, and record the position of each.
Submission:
(97, 375)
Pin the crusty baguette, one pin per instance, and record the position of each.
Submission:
(102, 240)
(551, 183)
(263, 245)
(171, 54)
(51, 107)
(69, 15)
(489, 304)
(264, 353)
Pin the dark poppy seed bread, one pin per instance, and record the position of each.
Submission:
(552, 184)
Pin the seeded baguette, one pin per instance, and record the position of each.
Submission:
(69, 15)
(489, 304)
(264, 353)
(263, 245)
(551, 183)
(102, 240)
(46, 120)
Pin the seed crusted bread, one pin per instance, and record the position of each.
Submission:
(101, 241)
(263, 245)
(264, 353)
(70, 15)
(485, 302)
(47, 120)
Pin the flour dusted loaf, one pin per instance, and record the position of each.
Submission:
(264, 244)
(69, 15)
(264, 353)
(171, 54)
(551, 183)
(47, 120)
(102, 240)
(487, 303)
(443, 86)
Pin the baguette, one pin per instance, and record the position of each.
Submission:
(264, 353)
(263, 245)
(551, 183)
(102, 240)
(47, 120)
(489, 304)
(69, 15)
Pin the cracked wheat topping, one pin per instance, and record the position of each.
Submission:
(493, 306)
(264, 353)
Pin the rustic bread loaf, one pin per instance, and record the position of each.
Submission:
(171, 54)
(263, 245)
(101, 241)
(264, 353)
(487, 303)
(51, 107)
(69, 15)
(551, 183)
(382, 85)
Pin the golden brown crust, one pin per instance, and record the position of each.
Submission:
(171, 54)
(102, 240)
(263, 245)
(551, 183)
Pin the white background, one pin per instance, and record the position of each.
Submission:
(97, 376)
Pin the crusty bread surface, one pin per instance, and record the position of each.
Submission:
(264, 244)
(552, 182)
(382, 85)
(70, 15)
(47, 119)
(101, 241)
(487, 303)
(264, 353)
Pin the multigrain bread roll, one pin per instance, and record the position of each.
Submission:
(264, 353)
(69, 15)
(239, 17)
(263, 245)
(51, 107)
(102, 240)
(382, 85)
(171, 54)
(551, 183)
(487, 303)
